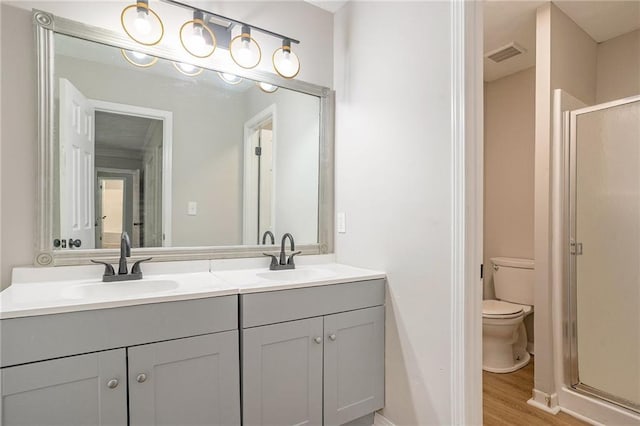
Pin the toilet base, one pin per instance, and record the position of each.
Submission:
(524, 360)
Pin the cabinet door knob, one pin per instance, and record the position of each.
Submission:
(112, 384)
(332, 337)
(318, 340)
(141, 378)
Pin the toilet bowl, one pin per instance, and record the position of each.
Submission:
(504, 337)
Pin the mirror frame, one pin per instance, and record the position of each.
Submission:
(46, 25)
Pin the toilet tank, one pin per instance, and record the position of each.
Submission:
(513, 279)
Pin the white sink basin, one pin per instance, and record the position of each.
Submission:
(306, 274)
(118, 289)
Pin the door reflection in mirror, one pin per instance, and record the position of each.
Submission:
(129, 150)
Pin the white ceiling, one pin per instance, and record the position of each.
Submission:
(117, 131)
(515, 21)
(603, 20)
(504, 22)
(328, 5)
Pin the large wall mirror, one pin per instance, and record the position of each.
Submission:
(191, 162)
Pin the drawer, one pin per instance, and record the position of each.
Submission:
(44, 337)
(287, 305)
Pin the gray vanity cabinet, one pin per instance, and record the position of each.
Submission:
(282, 374)
(80, 390)
(173, 363)
(191, 381)
(353, 364)
(324, 369)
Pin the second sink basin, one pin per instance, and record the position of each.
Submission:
(122, 289)
(297, 274)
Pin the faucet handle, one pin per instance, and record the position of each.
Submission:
(135, 269)
(290, 260)
(108, 269)
(274, 259)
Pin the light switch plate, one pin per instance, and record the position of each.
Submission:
(192, 208)
(341, 224)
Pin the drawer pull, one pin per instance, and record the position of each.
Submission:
(332, 337)
(318, 340)
(141, 378)
(112, 384)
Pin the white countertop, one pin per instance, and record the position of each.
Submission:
(42, 291)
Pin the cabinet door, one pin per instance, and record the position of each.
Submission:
(79, 390)
(282, 374)
(191, 381)
(353, 364)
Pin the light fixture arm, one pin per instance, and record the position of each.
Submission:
(142, 6)
(198, 18)
(233, 21)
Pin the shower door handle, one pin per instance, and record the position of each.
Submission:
(576, 248)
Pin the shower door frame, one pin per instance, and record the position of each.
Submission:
(570, 327)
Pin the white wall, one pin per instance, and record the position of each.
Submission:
(509, 114)
(297, 160)
(312, 26)
(393, 181)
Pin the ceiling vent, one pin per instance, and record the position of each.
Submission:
(505, 52)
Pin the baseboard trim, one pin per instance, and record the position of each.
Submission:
(380, 420)
(581, 417)
(545, 402)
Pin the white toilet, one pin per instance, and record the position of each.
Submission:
(504, 337)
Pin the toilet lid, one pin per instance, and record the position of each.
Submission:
(500, 308)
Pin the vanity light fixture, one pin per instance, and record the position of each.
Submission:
(285, 62)
(196, 37)
(142, 23)
(200, 36)
(138, 59)
(266, 87)
(229, 78)
(188, 69)
(244, 49)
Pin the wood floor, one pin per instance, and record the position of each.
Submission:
(505, 401)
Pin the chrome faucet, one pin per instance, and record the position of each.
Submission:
(270, 235)
(123, 271)
(283, 262)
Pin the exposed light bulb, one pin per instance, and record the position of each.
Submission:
(197, 39)
(138, 55)
(188, 68)
(266, 87)
(230, 78)
(142, 24)
(286, 64)
(244, 53)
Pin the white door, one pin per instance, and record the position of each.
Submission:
(152, 163)
(76, 165)
(265, 182)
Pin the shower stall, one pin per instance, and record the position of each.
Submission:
(601, 282)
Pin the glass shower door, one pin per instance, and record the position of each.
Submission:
(605, 250)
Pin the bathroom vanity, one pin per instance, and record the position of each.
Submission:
(246, 346)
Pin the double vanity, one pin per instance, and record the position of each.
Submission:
(200, 342)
